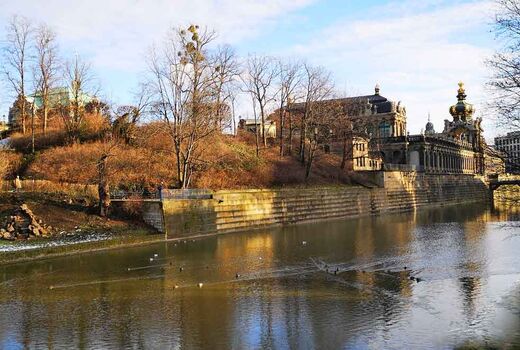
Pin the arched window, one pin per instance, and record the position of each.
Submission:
(385, 129)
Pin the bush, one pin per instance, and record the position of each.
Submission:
(128, 167)
(52, 138)
(4, 165)
(10, 163)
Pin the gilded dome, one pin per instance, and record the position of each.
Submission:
(462, 110)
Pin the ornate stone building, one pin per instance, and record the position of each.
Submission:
(459, 149)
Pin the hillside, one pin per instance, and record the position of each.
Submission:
(229, 162)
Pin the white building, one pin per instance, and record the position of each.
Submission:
(510, 145)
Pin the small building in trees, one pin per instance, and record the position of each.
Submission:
(250, 125)
(358, 155)
(61, 97)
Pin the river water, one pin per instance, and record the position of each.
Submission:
(433, 279)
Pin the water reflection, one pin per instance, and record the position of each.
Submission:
(436, 278)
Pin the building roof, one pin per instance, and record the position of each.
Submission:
(253, 122)
(462, 110)
(509, 134)
(379, 104)
(57, 96)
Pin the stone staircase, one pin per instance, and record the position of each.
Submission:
(239, 210)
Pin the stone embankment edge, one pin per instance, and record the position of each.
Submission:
(84, 249)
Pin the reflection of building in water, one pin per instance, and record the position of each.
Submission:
(472, 261)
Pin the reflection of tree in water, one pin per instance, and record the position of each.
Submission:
(371, 295)
(470, 288)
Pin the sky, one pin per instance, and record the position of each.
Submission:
(416, 50)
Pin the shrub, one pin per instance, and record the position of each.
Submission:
(128, 167)
(10, 163)
(4, 165)
(52, 138)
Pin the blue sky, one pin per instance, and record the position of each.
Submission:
(416, 50)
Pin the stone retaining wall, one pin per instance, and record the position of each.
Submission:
(507, 195)
(238, 210)
(152, 214)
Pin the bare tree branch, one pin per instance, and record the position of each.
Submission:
(16, 57)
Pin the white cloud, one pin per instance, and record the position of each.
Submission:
(115, 33)
(416, 50)
(417, 54)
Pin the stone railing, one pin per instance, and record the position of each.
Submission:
(45, 186)
(402, 167)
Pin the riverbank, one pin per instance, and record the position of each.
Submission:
(85, 232)
(140, 238)
(75, 228)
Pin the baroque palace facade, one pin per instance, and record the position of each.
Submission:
(460, 148)
(379, 140)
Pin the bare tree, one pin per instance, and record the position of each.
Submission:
(184, 77)
(46, 69)
(255, 116)
(16, 57)
(227, 70)
(289, 79)
(505, 64)
(259, 81)
(322, 130)
(127, 117)
(79, 79)
(317, 86)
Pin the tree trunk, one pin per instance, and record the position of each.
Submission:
(45, 116)
(23, 112)
(32, 130)
(344, 153)
(103, 187)
(233, 116)
(264, 140)
(312, 150)
(290, 134)
(303, 136)
(178, 158)
(282, 122)
(256, 130)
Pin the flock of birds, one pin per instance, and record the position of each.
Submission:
(315, 266)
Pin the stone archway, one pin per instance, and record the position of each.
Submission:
(414, 158)
(396, 157)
